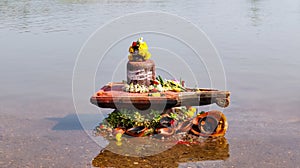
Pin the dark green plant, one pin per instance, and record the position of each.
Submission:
(129, 118)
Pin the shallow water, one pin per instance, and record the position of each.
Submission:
(258, 41)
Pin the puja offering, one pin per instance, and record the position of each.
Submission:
(147, 104)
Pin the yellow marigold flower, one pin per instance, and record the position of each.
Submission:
(143, 46)
(193, 109)
(131, 50)
(130, 57)
(148, 55)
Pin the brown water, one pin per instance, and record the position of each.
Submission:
(258, 41)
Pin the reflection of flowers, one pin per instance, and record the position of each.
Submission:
(199, 151)
(119, 136)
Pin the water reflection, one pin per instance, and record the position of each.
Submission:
(40, 16)
(209, 149)
(255, 13)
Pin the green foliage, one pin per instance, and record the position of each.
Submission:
(174, 116)
(120, 119)
(129, 118)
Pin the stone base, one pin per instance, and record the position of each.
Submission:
(141, 72)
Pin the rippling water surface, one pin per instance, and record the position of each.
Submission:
(258, 41)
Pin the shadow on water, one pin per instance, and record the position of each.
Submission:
(69, 122)
(215, 149)
(72, 122)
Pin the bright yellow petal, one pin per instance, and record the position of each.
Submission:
(119, 137)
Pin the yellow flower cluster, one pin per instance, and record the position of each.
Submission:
(139, 48)
(191, 111)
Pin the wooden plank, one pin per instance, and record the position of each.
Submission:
(112, 96)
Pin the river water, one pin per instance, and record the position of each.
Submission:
(258, 41)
